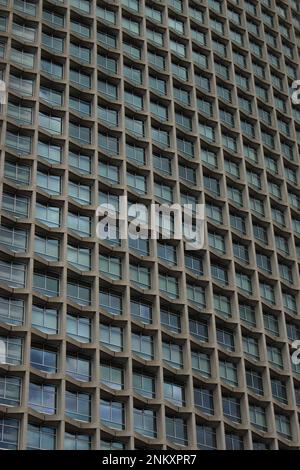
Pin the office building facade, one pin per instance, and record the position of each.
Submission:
(144, 344)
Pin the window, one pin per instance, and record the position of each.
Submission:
(21, 84)
(203, 399)
(44, 359)
(48, 214)
(283, 425)
(289, 302)
(112, 414)
(141, 276)
(196, 295)
(174, 393)
(80, 52)
(45, 319)
(112, 376)
(79, 293)
(144, 385)
(141, 311)
(22, 114)
(111, 337)
(263, 262)
(13, 274)
(206, 437)
(234, 442)
(232, 408)
(83, 5)
(80, 106)
(137, 182)
(167, 253)
(41, 437)
(81, 29)
(222, 305)
(133, 74)
(52, 68)
(47, 247)
(143, 345)
(173, 354)
(180, 71)
(293, 331)
(79, 223)
(199, 329)
(22, 57)
(144, 422)
(219, 274)
(201, 363)
(10, 391)
(75, 441)
(279, 390)
(79, 328)
(207, 132)
(50, 152)
(275, 356)
(79, 257)
(111, 445)
(176, 24)
(80, 133)
(214, 213)
(56, 43)
(136, 154)
(78, 405)
(108, 89)
(225, 338)
(48, 182)
(80, 78)
(168, 285)
(140, 245)
(42, 398)
(14, 239)
(155, 36)
(78, 367)
(181, 95)
(156, 60)
(254, 381)
(241, 252)
(235, 195)
(188, 174)
(111, 302)
(228, 372)
(212, 184)
(109, 171)
(216, 241)
(9, 433)
(176, 430)
(179, 48)
(109, 115)
(267, 292)
(12, 310)
(46, 285)
(271, 323)
(232, 167)
(244, 282)
(170, 320)
(185, 146)
(110, 266)
(153, 13)
(19, 142)
(251, 347)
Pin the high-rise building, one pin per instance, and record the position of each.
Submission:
(143, 343)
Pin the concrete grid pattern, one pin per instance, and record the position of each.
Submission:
(145, 345)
